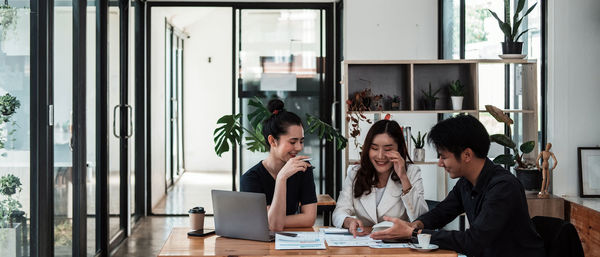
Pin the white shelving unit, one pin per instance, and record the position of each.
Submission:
(406, 79)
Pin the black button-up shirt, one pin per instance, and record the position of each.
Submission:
(498, 216)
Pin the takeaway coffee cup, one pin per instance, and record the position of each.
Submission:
(197, 218)
(424, 240)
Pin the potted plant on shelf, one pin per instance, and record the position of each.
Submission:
(10, 230)
(430, 98)
(8, 107)
(419, 152)
(526, 171)
(232, 132)
(457, 94)
(511, 31)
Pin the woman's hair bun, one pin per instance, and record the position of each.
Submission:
(275, 104)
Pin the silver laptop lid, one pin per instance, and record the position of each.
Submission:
(241, 215)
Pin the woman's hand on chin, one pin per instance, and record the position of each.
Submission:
(292, 166)
(398, 161)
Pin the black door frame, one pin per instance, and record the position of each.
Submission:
(328, 96)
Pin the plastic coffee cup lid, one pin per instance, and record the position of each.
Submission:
(197, 210)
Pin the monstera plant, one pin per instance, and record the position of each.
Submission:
(231, 132)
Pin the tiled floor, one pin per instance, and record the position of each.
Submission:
(193, 189)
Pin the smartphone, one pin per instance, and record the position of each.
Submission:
(201, 232)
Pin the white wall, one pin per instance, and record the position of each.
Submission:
(157, 109)
(395, 30)
(207, 88)
(390, 29)
(573, 86)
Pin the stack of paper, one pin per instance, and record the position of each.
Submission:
(349, 240)
(302, 240)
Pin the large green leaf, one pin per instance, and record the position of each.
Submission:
(503, 140)
(517, 38)
(256, 141)
(506, 159)
(527, 147)
(229, 133)
(260, 112)
(505, 27)
(326, 131)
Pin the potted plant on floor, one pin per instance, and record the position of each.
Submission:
(10, 230)
(419, 152)
(457, 94)
(511, 31)
(430, 98)
(526, 171)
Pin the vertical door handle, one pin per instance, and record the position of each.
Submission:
(115, 121)
(130, 112)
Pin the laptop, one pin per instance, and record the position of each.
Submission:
(241, 215)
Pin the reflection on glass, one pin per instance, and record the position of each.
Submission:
(91, 127)
(131, 102)
(113, 101)
(483, 36)
(283, 45)
(63, 133)
(14, 128)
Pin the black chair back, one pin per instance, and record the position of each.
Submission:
(560, 237)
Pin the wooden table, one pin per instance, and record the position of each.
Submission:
(179, 244)
(326, 206)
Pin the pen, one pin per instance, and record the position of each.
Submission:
(287, 234)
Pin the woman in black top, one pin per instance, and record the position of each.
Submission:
(284, 176)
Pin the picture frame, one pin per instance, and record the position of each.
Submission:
(588, 162)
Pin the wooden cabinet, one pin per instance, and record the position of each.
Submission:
(552, 206)
(587, 222)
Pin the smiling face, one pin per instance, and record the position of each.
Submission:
(381, 144)
(289, 144)
(449, 162)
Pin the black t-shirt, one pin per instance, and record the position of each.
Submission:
(300, 187)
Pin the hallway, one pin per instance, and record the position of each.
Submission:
(193, 189)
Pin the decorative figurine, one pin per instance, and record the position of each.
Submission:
(545, 156)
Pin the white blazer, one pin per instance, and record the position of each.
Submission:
(393, 204)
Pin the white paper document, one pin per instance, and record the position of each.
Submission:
(349, 240)
(302, 240)
(334, 230)
(384, 245)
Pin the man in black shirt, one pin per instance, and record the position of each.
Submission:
(492, 198)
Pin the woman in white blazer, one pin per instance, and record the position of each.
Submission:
(384, 184)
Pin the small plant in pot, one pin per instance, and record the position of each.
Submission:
(511, 31)
(419, 152)
(430, 98)
(457, 94)
(526, 171)
(10, 214)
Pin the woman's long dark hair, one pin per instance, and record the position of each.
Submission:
(366, 176)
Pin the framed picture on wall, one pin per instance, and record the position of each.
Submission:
(588, 159)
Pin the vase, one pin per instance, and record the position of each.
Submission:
(512, 47)
(419, 155)
(531, 178)
(11, 243)
(457, 102)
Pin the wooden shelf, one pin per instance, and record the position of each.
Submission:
(416, 163)
(440, 61)
(413, 112)
(513, 111)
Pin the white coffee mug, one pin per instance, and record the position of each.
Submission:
(424, 240)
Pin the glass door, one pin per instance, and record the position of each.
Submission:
(174, 99)
(63, 128)
(281, 55)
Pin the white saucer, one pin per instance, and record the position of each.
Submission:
(512, 56)
(431, 247)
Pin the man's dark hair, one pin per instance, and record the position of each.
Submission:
(459, 133)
